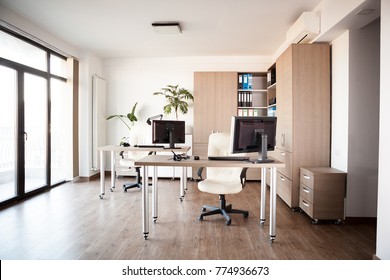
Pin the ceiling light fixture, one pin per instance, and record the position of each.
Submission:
(166, 28)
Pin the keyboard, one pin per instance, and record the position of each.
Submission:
(228, 158)
(149, 146)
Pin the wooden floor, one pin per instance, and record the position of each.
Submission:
(71, 222)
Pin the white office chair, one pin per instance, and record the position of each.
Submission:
(221, 180)
(128, 158)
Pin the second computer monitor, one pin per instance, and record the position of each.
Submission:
(168, 132)
(253, 134)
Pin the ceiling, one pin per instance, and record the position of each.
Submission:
(122, 28)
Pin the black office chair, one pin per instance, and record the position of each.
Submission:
(128, 159)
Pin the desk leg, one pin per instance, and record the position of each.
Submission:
(272, 218)
(182, 182)
(263, 194)
(112, 170)
(185, 179)
(154, 194)
(145, 202)
(102, 174)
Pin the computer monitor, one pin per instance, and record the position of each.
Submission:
(168, 132)
(253, 134)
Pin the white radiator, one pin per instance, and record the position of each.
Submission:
(99, 122)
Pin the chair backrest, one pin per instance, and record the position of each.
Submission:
(138, 136)
(219, 146)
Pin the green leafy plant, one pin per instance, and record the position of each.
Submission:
(176, 98)
(128, 119)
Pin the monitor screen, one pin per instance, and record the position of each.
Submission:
(253, 134)
(168, 132)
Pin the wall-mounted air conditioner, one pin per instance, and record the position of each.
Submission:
(305, 29)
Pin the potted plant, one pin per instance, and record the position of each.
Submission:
(176, 98)
(128, 119)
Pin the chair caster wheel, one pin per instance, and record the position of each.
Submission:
(246, 215)
(200, 218)
(228, 222)
(204, 209)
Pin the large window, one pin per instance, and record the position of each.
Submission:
(35, 117)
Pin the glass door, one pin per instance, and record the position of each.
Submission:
(35, 131)
(7, 133)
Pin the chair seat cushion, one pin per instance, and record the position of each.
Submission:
(127, 163)
(219, 187)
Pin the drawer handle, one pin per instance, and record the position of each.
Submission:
(281, 178)
(283, 154)
(306, 177)
(304, 203)
(305, 190)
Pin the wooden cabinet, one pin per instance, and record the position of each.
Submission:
(303, 112)
(322, 193)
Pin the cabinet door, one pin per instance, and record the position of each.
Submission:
(225, 100)
(215, 102)
(204, 105)
(284, 101)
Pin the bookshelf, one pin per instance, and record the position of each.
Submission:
(271, 90)
(257, 93)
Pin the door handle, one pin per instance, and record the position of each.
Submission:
(25, 135)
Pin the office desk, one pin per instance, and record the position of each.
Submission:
(162, 160)
(116, 149)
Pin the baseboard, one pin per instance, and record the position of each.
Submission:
(96, 176)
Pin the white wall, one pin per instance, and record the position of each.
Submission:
(383, 225)
(363, 129)
(340, 92)
(355, 116)
(135, 80)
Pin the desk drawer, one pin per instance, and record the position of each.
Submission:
(306, 192)
(307, 178)
(284, 188)
(285, 157)
(306, 206)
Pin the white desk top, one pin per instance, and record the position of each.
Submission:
(108, 148)
(166, 160)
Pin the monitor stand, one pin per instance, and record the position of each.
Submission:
(171, 142)
(262, 156)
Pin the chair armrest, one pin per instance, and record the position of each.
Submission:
(199, 173)
(121, 154)
(243, 176)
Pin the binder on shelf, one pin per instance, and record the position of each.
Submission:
(245, 81)
(239, 112)
(250, 112)
(250, 81)
(245, 112)
(255, 112)
(240, 81)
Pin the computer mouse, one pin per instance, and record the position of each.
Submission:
(196, 157)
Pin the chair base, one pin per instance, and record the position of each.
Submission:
(136, 184)
(223, 210)
(130, 186)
